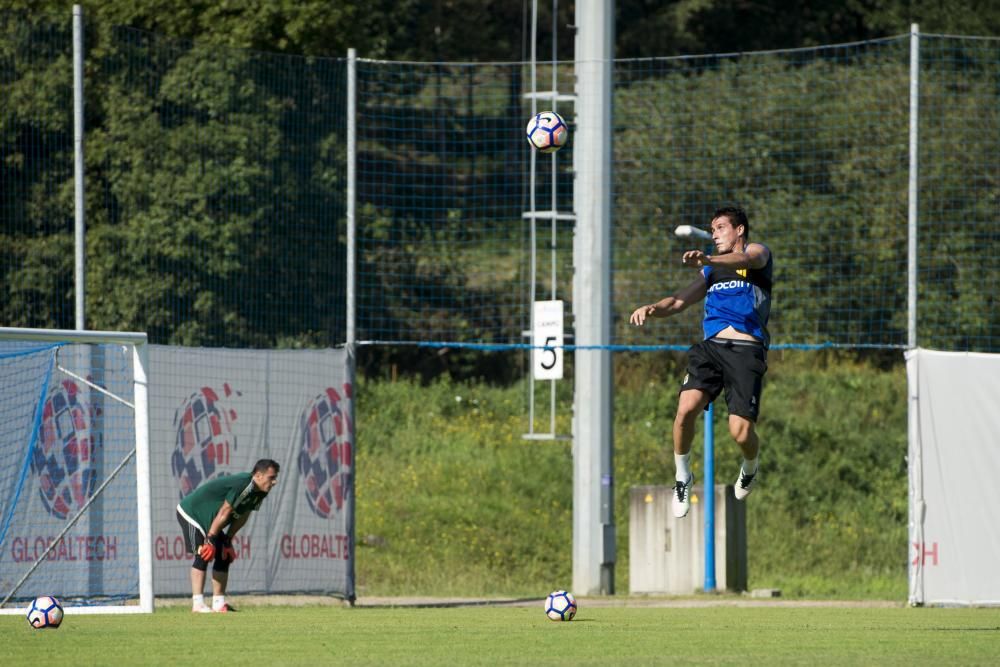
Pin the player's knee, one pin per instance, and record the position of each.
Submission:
(685, 416)
(688, 410)
(742, 430)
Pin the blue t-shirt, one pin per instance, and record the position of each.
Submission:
(738, 298)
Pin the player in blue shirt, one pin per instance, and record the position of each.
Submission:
(736, 285)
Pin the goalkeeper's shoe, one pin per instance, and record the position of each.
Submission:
(682, 497)
(225, 608)
(201, 609)
(744, 483)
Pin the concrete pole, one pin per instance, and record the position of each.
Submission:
(593, 444)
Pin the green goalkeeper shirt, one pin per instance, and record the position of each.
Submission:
(203, 503)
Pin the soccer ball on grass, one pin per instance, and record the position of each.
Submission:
(560, 606)
(45, 612)
(547, 132)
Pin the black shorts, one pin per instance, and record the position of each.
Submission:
(738, 366)
(194, 538)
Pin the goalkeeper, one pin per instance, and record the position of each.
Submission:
(736, 286)
(210, 516)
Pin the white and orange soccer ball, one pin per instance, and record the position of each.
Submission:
(560, 606)
(547, 131)
(45, 612)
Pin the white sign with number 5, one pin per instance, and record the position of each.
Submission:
(547, 339)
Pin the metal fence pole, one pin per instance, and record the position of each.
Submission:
(911, 255)
(80, 276)
(351, 195)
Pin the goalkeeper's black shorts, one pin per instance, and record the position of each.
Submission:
(194, 538)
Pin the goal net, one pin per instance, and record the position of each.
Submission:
(74, 490)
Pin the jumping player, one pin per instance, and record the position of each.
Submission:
(736, 286)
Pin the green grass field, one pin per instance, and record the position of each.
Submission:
(629, 633)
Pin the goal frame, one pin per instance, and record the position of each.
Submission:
(140, 366)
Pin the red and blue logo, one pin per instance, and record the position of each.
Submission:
(205, 437)
(326, 452)
(65, 457)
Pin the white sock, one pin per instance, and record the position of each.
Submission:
(218, 601)
(750, 466)
(197, 600)
(682, 463)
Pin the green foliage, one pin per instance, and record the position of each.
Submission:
(36, 170)
(497, 30)
(835, 477)
(450, 498)
(216, 183)
(827, 205)
(452, 501)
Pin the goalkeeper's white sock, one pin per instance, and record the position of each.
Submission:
(197, 601)
(750, 466)
(682, 462)
(218, 601)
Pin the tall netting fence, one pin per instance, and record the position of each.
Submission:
(812, 143)
(959, 220)
(221, 177)
(217, 190)
(36, 171)
(443, 249)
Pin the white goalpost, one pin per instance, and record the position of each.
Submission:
(75, 506)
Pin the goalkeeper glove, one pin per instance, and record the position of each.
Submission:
(207, 550)
(228, 552)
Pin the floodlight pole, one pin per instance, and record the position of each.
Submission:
(686, 232)
(594, 548)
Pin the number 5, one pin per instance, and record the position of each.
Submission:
(546, 348)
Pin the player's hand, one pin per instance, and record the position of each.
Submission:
(228, 552)
(640, 314)
(207, 550)
(695, 259)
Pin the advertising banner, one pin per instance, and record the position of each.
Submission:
(63, 442)
(954, 463)
(215, 412)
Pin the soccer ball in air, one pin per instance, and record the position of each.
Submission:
(560, 606)
(547, 131)
(45, 612)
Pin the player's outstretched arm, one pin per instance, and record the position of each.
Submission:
(670, 305)
(755, 256)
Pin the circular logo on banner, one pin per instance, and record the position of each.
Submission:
(65, 457)
(326, 452)
(205, 438)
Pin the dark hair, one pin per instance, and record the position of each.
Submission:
(263, 465)
(737, 216)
